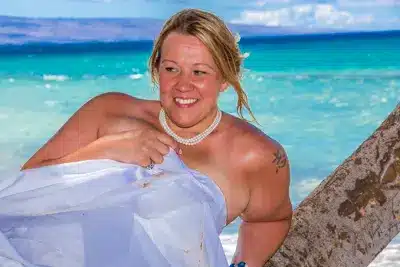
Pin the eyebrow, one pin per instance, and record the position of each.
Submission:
(196, 64)
(205, 64)
(169, 60)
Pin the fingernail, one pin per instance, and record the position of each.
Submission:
(242, 264)
(232, 265)
(180, 151)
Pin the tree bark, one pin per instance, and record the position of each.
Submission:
(355, 212)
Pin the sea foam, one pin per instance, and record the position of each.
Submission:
(59, 78)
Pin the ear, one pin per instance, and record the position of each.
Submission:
(224, 86)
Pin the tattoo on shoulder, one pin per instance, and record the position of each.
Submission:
(279, 159)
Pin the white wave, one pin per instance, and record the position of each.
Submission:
(305, 187)
(301, 77)
(327, 76)
(135, 70)
(59, 78)
(237, 37)
(87, 76)
(389, 257)
(136, 76)
(51, 103)
(339, 105)
(229, 245)
(11, 80)
(246, 55)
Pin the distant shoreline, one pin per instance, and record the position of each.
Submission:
(47, 35)
(54, 47)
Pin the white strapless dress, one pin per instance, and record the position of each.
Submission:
(98, 213)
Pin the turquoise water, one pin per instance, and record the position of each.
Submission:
(319, 97)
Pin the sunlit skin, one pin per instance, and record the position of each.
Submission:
(187, 70)
(250, 168)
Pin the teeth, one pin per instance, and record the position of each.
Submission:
(185, 101)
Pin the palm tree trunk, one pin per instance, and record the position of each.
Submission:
(355, 212)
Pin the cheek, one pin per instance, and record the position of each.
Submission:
(164, 83)
(208, 86)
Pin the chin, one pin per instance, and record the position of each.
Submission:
(184, 117)
(184, 122)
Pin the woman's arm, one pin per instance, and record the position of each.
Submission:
(258, 241)
(101, 130)
(267, 218)
(82, 128)
(93, 150)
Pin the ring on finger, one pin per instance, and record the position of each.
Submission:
(151, 165)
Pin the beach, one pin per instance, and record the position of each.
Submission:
(321, 97)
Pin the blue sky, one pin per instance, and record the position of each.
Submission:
(342, 14)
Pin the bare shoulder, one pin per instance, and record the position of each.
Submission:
(265, 166)
(122, 112)
(255, 146)
(118, 103)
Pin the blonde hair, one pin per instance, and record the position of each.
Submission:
(216, 36)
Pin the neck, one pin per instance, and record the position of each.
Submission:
(194, 130)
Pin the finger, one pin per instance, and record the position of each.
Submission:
(148, 160)
(155, 156)
(144, 162)
(160, 147)
(154, 143)
(168, 140)
(144, 157)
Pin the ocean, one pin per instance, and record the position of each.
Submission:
(319, 96)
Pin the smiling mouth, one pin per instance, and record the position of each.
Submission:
(185, 101)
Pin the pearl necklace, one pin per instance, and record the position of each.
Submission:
(189, 141)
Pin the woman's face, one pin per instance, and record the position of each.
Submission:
(189, 81)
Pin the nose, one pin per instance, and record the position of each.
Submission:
(184, 82)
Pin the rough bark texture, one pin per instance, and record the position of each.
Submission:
(355, 212)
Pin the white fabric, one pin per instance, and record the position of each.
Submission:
(98, 213)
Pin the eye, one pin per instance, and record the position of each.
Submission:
(170, 69)
(199, 72)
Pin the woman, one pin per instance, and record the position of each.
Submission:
(195, 58)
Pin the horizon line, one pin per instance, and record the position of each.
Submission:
(327, 30)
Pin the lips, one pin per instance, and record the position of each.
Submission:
(185, 102)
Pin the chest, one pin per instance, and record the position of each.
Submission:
(212, 157)
(219, 166)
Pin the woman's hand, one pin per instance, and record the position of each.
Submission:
(140, 146)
